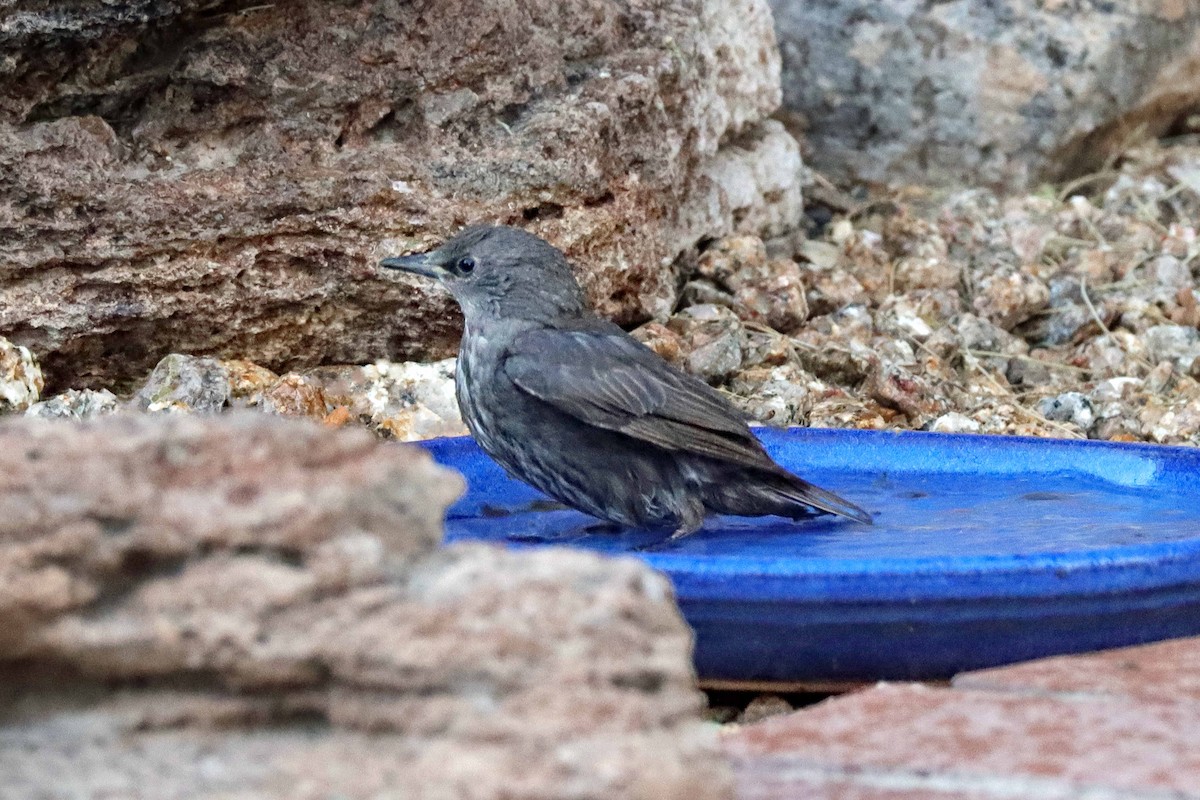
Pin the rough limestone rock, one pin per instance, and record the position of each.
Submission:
(1005, 93)
(244, 606)
(221, 179)
(20, 377)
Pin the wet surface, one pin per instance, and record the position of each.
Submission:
(983, 511)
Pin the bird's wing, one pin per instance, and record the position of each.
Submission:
(603, 377)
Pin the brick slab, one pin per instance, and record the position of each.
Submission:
(1166, 672)
(904, 738)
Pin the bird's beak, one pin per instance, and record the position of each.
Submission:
(418, 264)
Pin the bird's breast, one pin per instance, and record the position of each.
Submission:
(475, 388)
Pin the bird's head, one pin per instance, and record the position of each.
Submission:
(500, 272)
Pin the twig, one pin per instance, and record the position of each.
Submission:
(1087, 301)
(1084, 180)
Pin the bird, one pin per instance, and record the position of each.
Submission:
(569, 403)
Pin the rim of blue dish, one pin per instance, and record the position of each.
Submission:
(1120, 569)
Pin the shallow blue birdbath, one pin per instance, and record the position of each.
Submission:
(985, 550)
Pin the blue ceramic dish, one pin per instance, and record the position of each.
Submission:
(986, 550)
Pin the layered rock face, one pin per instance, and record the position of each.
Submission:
(1004, 94)
(191, 176)
(249, 607)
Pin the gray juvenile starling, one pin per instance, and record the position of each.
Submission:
(583, 412)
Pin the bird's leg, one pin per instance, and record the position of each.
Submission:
(689, 522)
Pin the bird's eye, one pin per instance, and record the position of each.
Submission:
(466, 264)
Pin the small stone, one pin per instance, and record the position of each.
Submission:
(1115, 389)
(1170, 272)
(774, 295)
(337, 418)
(1175, 343)
(764, 290)
(413, 401)
(762, 707)
(713, 339)
(185, 384)
(20, 377)
(840, 410)
(1159, 378)
(662, 340)
(822, 255)
(766, 349)
(1008, 298)
(933, 272)
(247, 380)
(408, 401)
(972, 335)
(1118, 428)
(294, 396)
(777, 396)
(1065, 324)
(897, 386)
(1073, 407)
(955, 422)
(833, 291)
(76, 404)
(700, 292)
(1113, 354)
(1028, 372)
(899, 316)
(724, 260)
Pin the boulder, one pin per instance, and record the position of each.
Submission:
(249, 606)
(1004, 94)
(179, 176)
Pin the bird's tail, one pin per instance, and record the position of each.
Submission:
(783, 494)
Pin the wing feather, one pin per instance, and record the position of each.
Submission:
(604, 377)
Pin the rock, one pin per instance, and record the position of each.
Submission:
(837, 347)
(726, 260)
(822, 255)
(897, 385)
(294, 396)
(1009, 298)
(76, 404)
(832, 290)
(713, 339)
(954, 422)
(774, 296)
(756, 179)
(1073, 407)
(768, 291)
(967, 339)
(1028, 372)
(408, 401)
(247, 380)
(248, 606)
(179, 179)
(899, 317)
(762, 707)
(1008, 94)
(185, 384)
(1177, 344)
(702, 292)
(662, 340)
(766, 348)
(20, 377)
(840, 410)
(777, 396)
(1115, 402)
